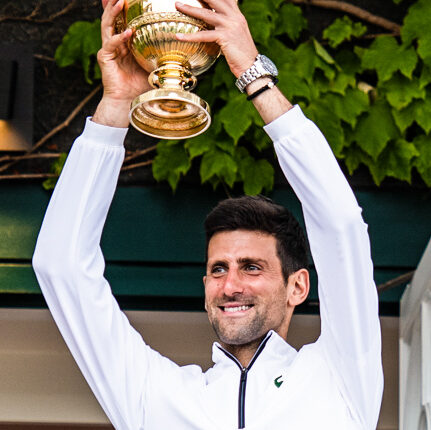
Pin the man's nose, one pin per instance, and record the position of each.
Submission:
(233, 283)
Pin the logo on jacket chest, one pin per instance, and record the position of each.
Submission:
(278, 381)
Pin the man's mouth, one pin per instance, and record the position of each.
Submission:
(233, 309)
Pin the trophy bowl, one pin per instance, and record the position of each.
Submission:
(169, 110)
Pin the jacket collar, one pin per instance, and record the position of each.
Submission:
(276, 350)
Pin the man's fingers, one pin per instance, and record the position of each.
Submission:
(200, 36)
(112, 10)
(116, 42)
(207, 15)
(221, 6)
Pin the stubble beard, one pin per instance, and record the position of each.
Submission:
(240, 333)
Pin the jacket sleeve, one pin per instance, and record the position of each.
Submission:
(350, 329)
(69, 266)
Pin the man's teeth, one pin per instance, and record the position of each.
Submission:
(236, 308)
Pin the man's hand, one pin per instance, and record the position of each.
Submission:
(230, 31)
(123, 79)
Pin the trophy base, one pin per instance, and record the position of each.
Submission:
(170, 114)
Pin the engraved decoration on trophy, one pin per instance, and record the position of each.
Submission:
(170, 110)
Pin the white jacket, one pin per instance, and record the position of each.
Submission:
(335, 383)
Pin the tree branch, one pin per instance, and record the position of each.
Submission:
(29, 156)
(355, 11)
(139, 153)
(135, 166)
(56, 129)
(399, 280)
(44, 57)
(28, 176)
(31, 16)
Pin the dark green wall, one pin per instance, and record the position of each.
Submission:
(154, 244)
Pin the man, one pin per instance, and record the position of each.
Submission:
(256, 273)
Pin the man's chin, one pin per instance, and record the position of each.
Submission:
(237, 338)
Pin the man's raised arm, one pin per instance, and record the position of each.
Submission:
(68, 260)
(350, 338)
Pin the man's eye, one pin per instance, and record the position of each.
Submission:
(252, 267)
(217, 270)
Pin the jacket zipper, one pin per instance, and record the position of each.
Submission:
(243, 380)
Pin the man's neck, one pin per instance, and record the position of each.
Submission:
(243, 353)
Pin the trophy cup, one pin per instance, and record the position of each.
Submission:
(169, 110)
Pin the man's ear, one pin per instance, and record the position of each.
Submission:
(299, 282)
(204, 279)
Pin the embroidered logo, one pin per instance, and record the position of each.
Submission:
(277, 381)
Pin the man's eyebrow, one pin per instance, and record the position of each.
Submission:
(217, 263)
(251, 260)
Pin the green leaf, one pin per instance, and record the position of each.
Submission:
(222, 75)
(400, 91)
(343, 29)
(425, 77)
(260, 140)
(394, 161)
(375, 129)
(170, 163)
(348, 61)
(237, 116)
(353, 156)
(219, 164)
(417, 26)
(199, 145)
(80, 45)
(324, 61)
(259, 18)
(257, 175)
(304, 60)
(291, 84)
(404, 118)
(349, 106)
(423, 161)
(290, 21)
(386, 57)
(341, 82)
(322, 52)
(419, 111)
(320, 111)
(56, 168)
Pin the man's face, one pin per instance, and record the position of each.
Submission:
(245, 293)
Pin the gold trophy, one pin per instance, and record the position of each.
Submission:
(169, 110)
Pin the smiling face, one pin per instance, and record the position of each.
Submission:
(245, 292)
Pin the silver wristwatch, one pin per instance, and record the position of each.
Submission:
(263, 66)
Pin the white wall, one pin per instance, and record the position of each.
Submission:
(39, 381)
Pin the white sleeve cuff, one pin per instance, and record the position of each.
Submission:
(103, 134)
(286, 124)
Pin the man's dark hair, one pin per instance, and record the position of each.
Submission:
(259, 213)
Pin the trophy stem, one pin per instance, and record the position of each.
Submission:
(172, 75)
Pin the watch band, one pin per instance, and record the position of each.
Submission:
(262, 66)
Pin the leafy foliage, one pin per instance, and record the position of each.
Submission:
(343, 29)
(56, 169)
(80, 45)
(370, 97)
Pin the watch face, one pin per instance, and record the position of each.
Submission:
(268, 65)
